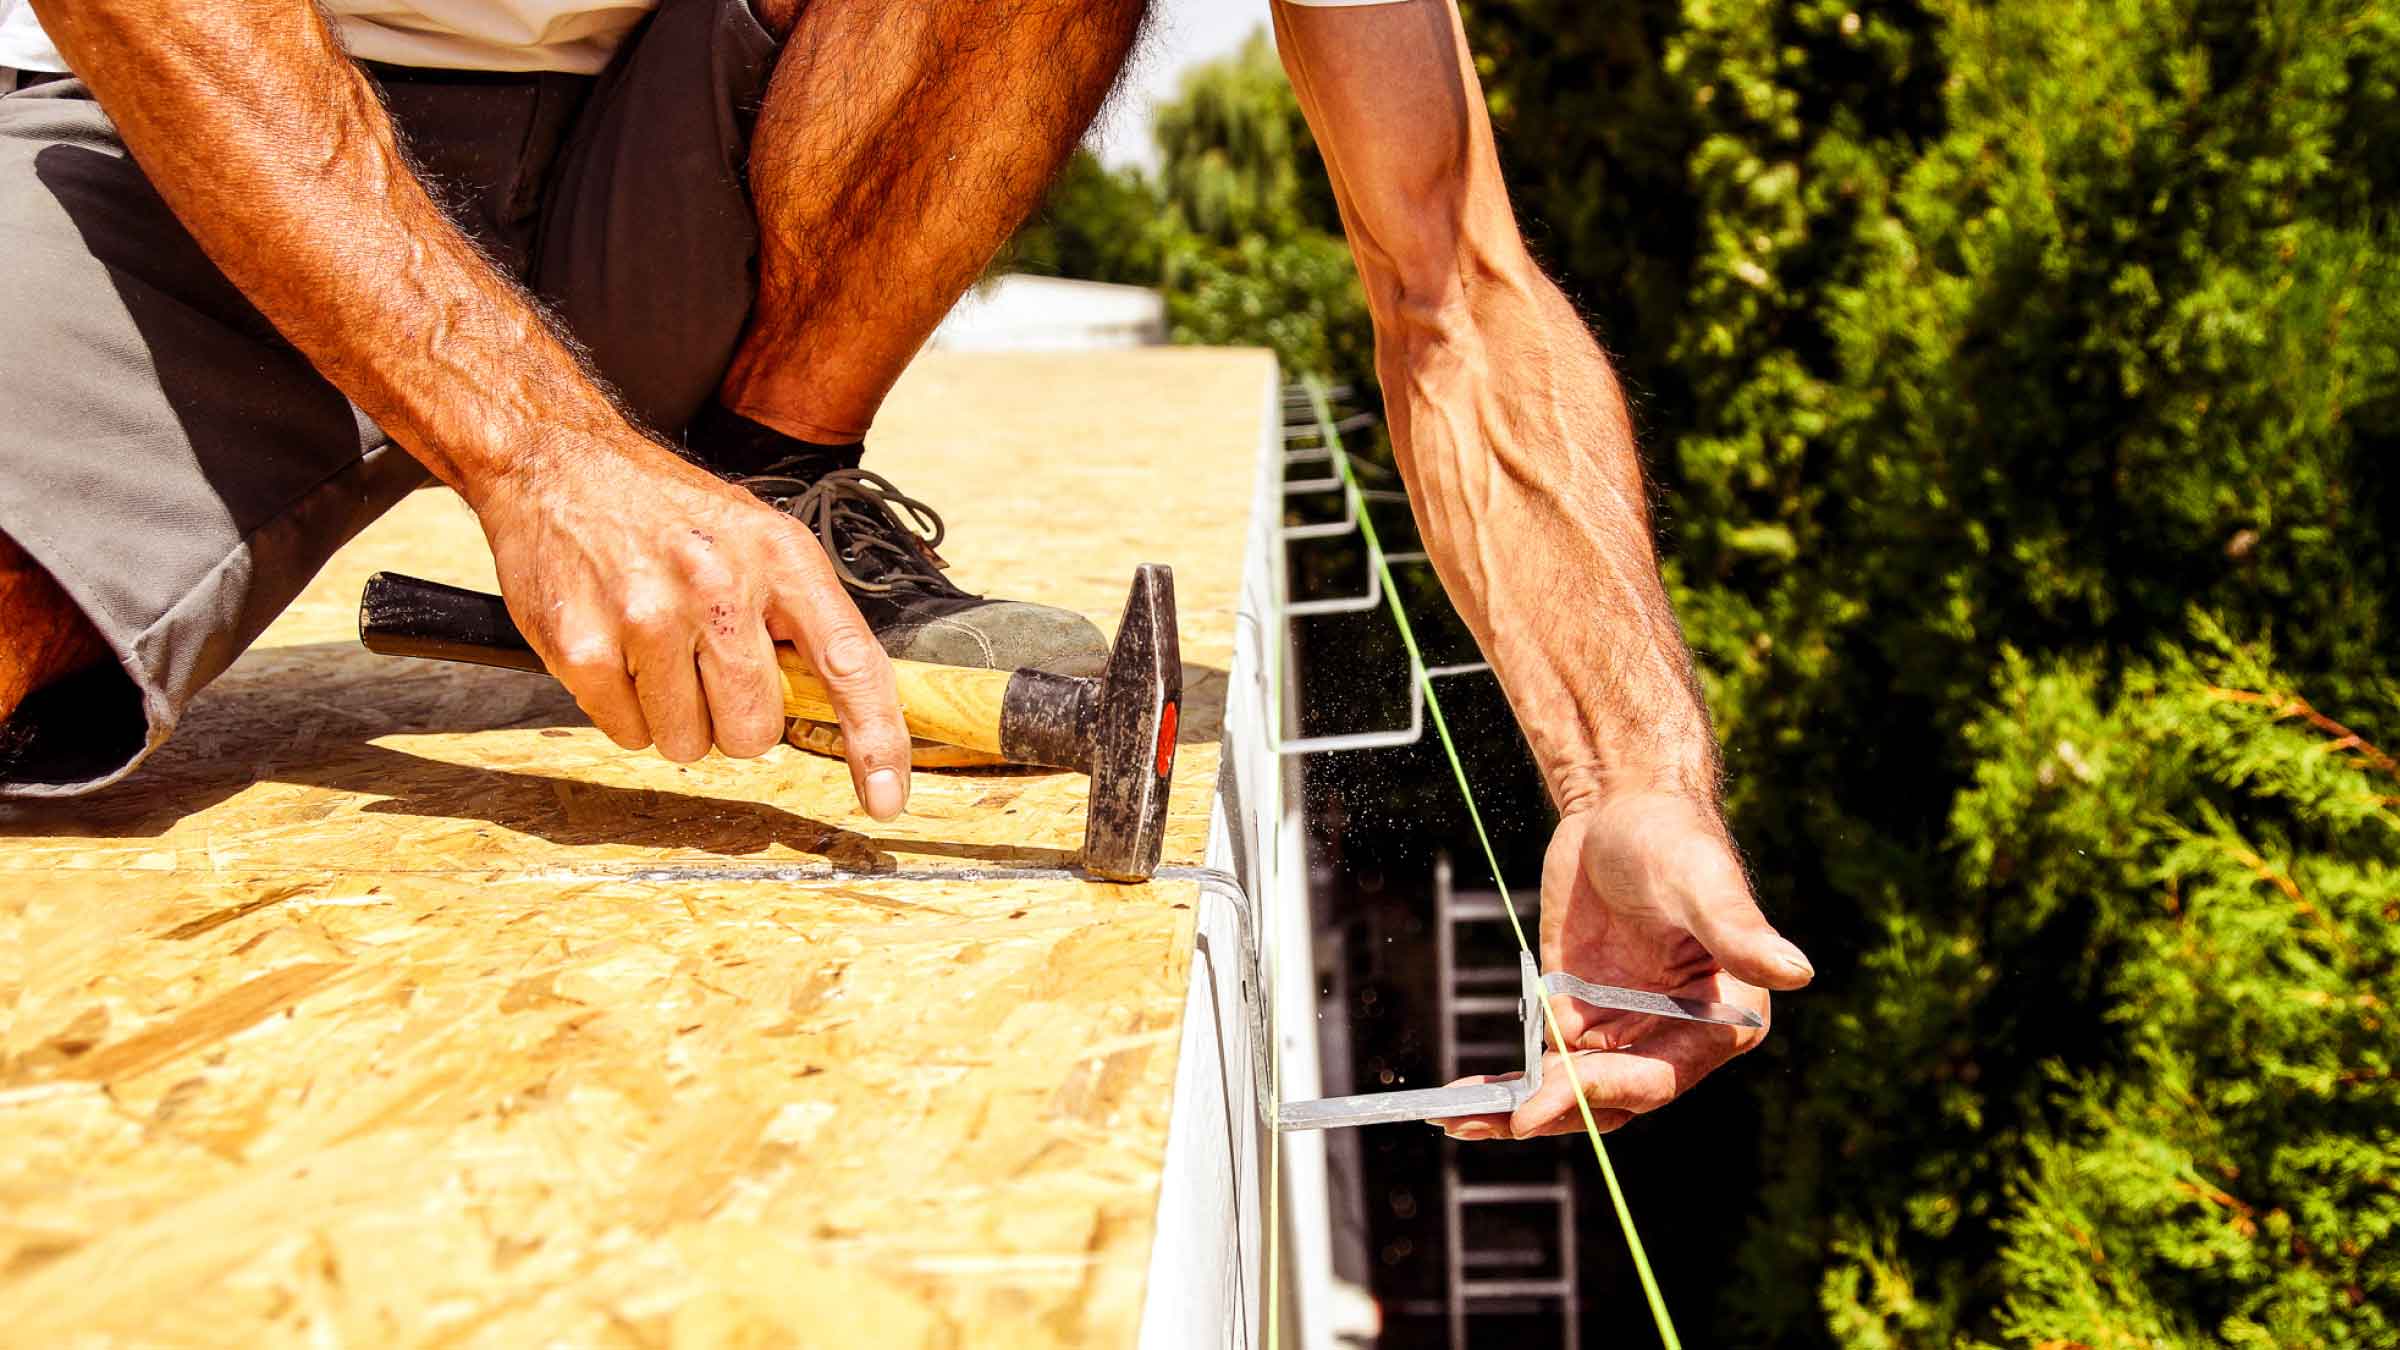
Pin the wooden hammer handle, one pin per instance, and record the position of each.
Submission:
(954, 705)
(404, 616)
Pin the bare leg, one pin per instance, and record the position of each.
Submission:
(900, 143)
(46, 636)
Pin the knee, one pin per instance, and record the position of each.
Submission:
(43, 634)
(1110, 26)
(1118, 14)
(776, 16)
(1102, 27)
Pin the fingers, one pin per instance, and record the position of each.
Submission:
(718, 620)
(1657, 851)
(666, 679)
(1474, 1129)
(1608, 1120)
(652, 689)
(739, 675)
(1497, 1124)
(1617, 1084)
(1635, 1081)
(1494, 1126)
(666, 634)
(592, 667)
(1729, 924)
(1623, 1082)
(811, 606)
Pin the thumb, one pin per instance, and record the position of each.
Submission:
(1745, 944)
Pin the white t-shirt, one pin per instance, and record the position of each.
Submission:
(576, 36)
(569, 35)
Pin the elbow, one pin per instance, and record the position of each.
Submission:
(1438, 270)
(1424, 295)
(1442, 293)
(1414, 257)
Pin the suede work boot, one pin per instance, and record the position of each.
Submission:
(881, 542)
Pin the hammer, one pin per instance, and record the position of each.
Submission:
(1118, 726)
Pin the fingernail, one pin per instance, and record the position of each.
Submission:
(885, 797)
(1474, 1130)
(1794, 963)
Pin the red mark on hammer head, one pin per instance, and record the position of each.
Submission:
(1166, 739)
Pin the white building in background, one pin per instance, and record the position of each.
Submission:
(1020, 313)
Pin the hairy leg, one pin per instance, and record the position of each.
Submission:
(42, 634)
(900, 143)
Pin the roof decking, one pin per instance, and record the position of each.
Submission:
(391, 1002)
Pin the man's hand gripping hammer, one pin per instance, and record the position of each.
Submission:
(1118, 727)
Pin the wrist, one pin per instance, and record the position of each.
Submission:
(530, 465)
(1663, 771)
(1653, 741)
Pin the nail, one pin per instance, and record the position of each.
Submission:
(1794, 963)
(885, 797)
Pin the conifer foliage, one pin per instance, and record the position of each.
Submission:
(2002, 359)
(2232, 1170)
(2022, 379)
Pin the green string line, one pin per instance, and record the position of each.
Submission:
(1441, 726)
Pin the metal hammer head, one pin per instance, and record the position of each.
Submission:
(1133, 734)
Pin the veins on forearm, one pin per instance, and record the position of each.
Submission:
(314, 213)
(1515, 436)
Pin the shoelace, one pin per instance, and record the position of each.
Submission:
(859, 515)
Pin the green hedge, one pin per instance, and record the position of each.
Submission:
(2019, 375)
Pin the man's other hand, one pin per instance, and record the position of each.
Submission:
(656, 592)
(1643, 890)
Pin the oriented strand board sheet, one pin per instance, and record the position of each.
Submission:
(392, 1004)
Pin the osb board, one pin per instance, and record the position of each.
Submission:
(391, 1004)
(506, 1108)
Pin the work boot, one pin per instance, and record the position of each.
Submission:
(881, 542)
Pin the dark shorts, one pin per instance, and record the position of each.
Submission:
(183, 471)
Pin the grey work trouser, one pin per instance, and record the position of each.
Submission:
(183, 471)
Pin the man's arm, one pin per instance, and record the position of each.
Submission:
(1513, 437)
(274, 151)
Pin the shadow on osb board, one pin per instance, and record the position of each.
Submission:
(309, 715)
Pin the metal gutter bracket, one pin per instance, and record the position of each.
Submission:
(1466, 1099)
(1482, 1099)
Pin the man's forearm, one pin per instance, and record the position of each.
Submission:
(1513, 435)
(274, 152)
(272, 148)
(1507, 420)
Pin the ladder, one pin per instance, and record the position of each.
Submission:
(1509, 1229)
